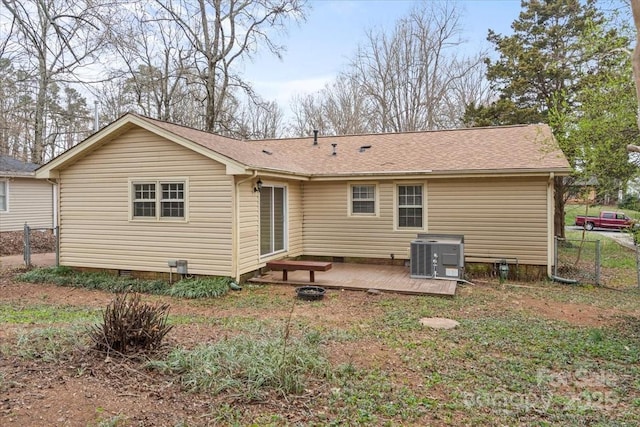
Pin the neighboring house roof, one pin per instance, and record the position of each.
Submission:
(505, 149)
(10, 166)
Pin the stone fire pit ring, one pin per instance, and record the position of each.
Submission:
(310, 293)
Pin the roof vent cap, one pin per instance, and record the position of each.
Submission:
(334, 145)
(364, 148)
(315, 137)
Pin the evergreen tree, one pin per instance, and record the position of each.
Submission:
(541, 69)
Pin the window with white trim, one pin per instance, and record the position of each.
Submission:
(3, 196)
(158, 200)
(363, 199)
(410, 211)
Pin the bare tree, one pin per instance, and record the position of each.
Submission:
(412, 78)
(217, 35)
(471, 88)
(153, 47)
(55, 38)
(411, 74)
(340, 108)
(258, 119)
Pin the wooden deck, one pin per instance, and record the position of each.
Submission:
(384, 278)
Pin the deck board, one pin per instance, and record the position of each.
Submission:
(384, 278)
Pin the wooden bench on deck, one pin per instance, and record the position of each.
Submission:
(289, 265)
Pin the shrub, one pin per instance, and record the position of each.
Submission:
(629, 201)
(131, 326)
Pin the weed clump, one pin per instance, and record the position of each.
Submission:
(204, 287)
(130, 326)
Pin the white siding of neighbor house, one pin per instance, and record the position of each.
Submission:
(249, 224)
(505, 217)
(96, 230)
(30, 200)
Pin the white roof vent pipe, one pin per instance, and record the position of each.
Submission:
(334, 145)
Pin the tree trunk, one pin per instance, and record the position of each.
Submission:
(635, 59)
(39, 119)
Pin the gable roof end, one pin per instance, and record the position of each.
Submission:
(123, 124)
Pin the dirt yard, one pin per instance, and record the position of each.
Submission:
(88, 389)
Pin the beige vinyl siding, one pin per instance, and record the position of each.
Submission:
(96, 230)
(30, 200)
(249, 225)
(498, 217)
(295, 212)
(329, 230)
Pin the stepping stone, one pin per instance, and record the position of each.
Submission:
(438, 323)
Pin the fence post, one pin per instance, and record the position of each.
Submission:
(26, 253)
(555, 256)
(57, 231)
(598, 262)
(638, 263)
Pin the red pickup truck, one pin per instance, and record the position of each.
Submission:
(606, 219)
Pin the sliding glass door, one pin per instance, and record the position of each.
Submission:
(272, 219)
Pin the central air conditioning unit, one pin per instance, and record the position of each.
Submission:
(437, 255)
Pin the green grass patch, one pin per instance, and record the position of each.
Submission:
(46, 314)
(366, 397)
(612, 254)
(205, 287)
(251, 366)
(50, 344)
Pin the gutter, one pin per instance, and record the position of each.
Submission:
(56, 201)
(489, 173)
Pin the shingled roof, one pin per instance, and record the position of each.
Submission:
(521, 148)
(490, 150)
(10, 166)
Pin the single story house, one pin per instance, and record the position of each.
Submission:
(141, 192)
(23, 198)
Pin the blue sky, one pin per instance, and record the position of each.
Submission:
(318, 48)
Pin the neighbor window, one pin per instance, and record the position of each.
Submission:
(3, 196)
(363, 199)
(158, 199)
(410, 206)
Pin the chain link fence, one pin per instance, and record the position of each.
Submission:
(40, 240)
(578, 260)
